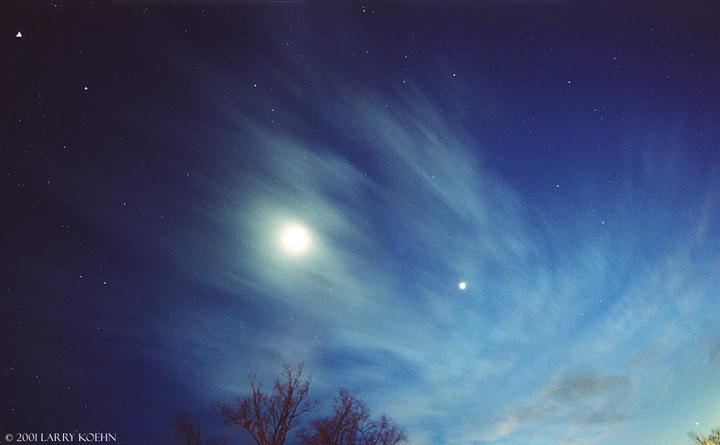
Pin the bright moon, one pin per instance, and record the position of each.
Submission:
(295, 239)
(462, 285)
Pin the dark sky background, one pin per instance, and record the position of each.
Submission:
(560, 159)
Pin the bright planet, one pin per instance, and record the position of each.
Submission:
(261, 187)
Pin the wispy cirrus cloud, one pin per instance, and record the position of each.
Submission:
(579, 403)
(557, 336)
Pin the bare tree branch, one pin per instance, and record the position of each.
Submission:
(270, 416)
(350, 424)
(712, 439)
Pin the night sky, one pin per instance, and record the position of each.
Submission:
(195, 192)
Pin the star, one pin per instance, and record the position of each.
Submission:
(18, 35)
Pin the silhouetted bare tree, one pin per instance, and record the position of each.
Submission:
(187, 434)
(712, 439)
(350, 424)
(269, 416)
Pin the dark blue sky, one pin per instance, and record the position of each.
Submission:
(560, 159)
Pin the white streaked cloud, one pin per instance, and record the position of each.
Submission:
(540, 342)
